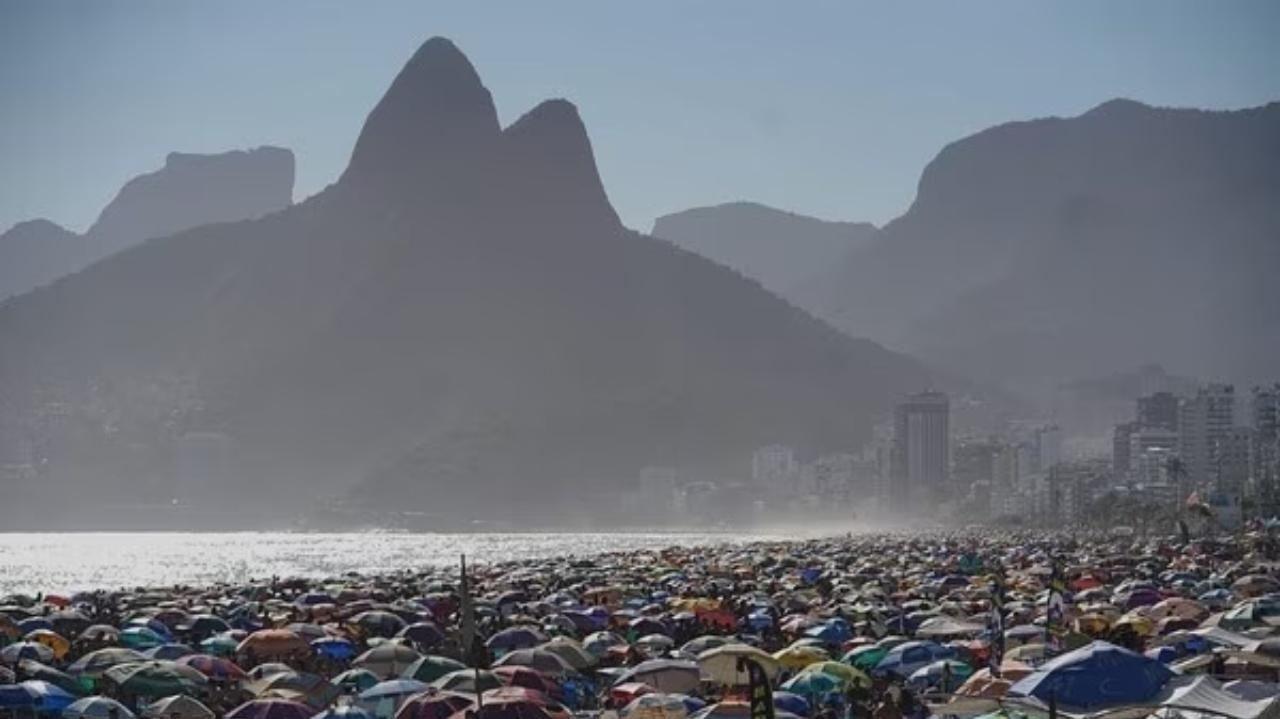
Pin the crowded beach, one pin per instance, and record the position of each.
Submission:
(965, 624)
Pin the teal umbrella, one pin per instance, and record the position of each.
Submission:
(355, 680)
(140, 638)
(431, 667)
(813, 684)
(220, 645)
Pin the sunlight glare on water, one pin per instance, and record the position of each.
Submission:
(62, 562)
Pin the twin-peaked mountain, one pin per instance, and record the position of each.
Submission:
(189, 191)
(459, 324)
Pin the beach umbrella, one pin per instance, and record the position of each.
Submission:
(733, 710)
(384, 698)
(33, 624)
(204, 625)
(655, 706)
(96, 662)
(814, 684)
(335, 648)
(719, 665)
(274, 643)
(515, 638)
(866, 657)
(99, 633)
(31, 669)
(269, 669)
(1027, 652)
(387, 660)
(793, 703)
(469, 681)
(572, 653)
(841, 671)
(179, 706)
(526, 678)
(16, 652)
(345, 711)
(378, 623)
(271, 709)
(600, 643)
(216, 668)
(7, 676)
(665, 675)
(423, 634)
(542, 660)
(354, 681)
(55, 641)
(35, 694)
(434, 705)
(221, 645)
(169, 652)
(156, 679)
(800, 656)
(933, 674)
(141, 637)
(695, 647)
(431, 667)
(96, 708)
(504, 710)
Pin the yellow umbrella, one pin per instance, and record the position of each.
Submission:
(1142, 626)
(842, 671)
(51, 639)
(799, 657)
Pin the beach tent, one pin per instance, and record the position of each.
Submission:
(1204, 697)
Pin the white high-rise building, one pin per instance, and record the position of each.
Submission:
(1204, 425)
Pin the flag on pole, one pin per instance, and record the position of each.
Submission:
(996, 625)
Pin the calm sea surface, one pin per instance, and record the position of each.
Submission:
(61, 562)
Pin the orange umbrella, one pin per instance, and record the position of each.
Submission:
(274, 643)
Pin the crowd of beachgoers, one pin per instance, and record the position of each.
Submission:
(980, 622)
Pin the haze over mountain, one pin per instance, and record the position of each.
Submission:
(189, 191)
(460, 317)
(781, 249)
(1038, 252)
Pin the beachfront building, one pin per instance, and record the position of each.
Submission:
(1204, 423)
(922, 447)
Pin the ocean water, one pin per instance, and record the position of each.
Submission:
(71, 561)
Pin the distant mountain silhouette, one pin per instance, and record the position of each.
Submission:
(782, 250)
(459, 325)
(1060, 248)
(189, 191)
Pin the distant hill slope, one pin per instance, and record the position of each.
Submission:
(782, 250)
(1058, 248)
(459, 324)
(189, 191)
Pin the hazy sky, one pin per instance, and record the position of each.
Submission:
(830, 109)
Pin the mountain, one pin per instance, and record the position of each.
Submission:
(459, 325)
(783, 250)
(1080, 247)
(189, 191)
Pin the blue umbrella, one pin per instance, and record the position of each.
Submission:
(788, 702)
(169, 652)
(31, 624)
(335, 648)
(35, 694)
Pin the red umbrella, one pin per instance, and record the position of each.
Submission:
(215, 668)
(434, 705)
(517, 676)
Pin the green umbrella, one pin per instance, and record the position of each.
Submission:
(431, 667)
(156, 679)
(814, 684)
(865, 658)
(355, 680)
(220, 645)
